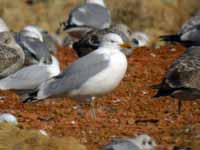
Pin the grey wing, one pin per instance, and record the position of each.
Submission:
(120, 145)
(48, 40)
(8, 58)
(189, 24)
(185, 71)
(26, 79)
(193, 35)
(91, 15)
(75, 75)
(34, 49)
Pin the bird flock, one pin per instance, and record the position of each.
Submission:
(29, 67)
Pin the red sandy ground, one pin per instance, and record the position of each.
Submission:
(129, 110)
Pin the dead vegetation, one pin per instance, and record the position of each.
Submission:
(14, 138)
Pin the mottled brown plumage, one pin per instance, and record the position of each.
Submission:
(11, 55)
(182, 79)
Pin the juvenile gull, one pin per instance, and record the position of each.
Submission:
(30, 77)
(90, 76)
(32, 42)
(11, 54)
(182, 80)
(189, 34)
(141, 142)
(91, 14)
(91, 40)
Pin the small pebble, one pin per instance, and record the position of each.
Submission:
(9, 118)
(43, 132)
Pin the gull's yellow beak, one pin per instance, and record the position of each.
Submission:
(125, 45)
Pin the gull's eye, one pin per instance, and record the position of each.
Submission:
(112, 41)
(134, 41)
(150, 142)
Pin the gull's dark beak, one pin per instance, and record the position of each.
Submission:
(125, 45)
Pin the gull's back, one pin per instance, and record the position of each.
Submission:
(91, 15)
(121, 144)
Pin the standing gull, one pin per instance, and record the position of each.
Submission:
(189, 34)
(91, 40)
(93, 75)
(141, 142)
(32, 42)
(91, 14)
(11, 55)
(182, 79)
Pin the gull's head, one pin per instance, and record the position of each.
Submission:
(99, 2)
(34, 32)
(3, 26)
(113, 40)
(122, 28)
(144, 142)
(139, 39)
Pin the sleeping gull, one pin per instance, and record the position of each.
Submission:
(141, 142)
(32, 42)
(91, 40)
(30, 77)
(11, 54)
(139, 39)
(182, 79)
(91, 14)
(47, 38)
(189, 34)
(90, 76)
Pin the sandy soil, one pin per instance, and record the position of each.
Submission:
(129, 110)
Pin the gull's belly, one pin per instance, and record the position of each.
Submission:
(106, 80)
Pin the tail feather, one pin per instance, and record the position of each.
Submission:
(161, 91)
(29, 97)
(156, 86)
(170, 38)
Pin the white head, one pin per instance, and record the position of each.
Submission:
(33, 31)
(144, 142)
(139, 39)
(99, 2)
(3, 26)
(114, 41)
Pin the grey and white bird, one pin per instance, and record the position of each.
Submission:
(47, 38)
(141, 142)
(30, 77)
(93, 14)
(139, 39)
(91, 76)
(11, 55)
(32, 42)
(189, 33)
(182, 79)
(91, 40)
